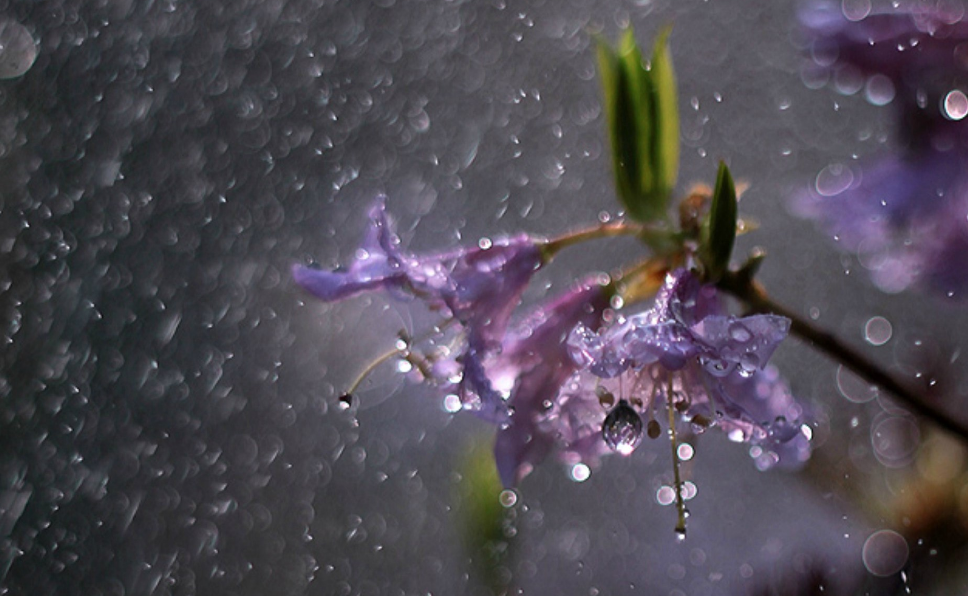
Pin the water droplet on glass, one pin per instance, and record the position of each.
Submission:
(685, 452)
(622, 429)
(653, 429)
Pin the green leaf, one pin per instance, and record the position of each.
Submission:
(665, 149)
(643, 124)
(722, 226)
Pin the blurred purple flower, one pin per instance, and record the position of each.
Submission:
(713, 364)
(479, 286)
(906, 216)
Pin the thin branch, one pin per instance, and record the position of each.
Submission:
(756, 298)
(605, 230)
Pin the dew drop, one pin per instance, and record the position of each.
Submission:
(622, 429)
(345, 401)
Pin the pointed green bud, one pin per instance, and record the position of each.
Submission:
(721, 229)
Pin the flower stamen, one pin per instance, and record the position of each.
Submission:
(680, 504)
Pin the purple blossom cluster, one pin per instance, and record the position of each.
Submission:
(550, 380)
(906, 214)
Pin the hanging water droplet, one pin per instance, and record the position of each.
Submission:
(653, 429)
(345, 401)
(622, 429)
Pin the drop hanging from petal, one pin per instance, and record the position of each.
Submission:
(622, 429)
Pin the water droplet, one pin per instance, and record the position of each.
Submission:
(345, 401)
(834, 179)
(885, 553)
(680, 534)
(685, 452)
(508, 498)
(666, 495)
(853, 387)
(955, 105)
(740, 333)
(580, 472)
(879, 90)
(856, 10)
(452, 403)
(622, 429)
(878, 331)
(653, 429)
(717, 368)
(17, 49)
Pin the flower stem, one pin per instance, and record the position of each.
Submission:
(740, 285)
(605, 230)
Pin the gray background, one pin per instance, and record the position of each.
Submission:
(168, 421)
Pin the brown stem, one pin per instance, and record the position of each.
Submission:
(605, 230)
(755, 297)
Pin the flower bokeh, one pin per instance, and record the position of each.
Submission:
(904, 214)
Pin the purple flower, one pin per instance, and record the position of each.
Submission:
(712, 364)
(528, 374)
(479, 286)
(906, 215)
